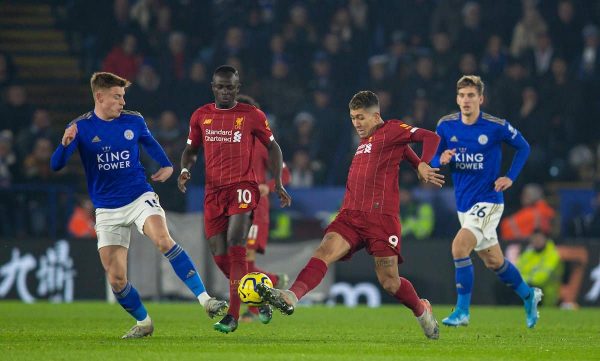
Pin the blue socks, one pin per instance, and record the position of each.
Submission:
(130, 300)
(185, 270)
(463, 274)
(510, 275)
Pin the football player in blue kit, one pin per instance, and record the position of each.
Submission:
(108, 139)
(471, 144)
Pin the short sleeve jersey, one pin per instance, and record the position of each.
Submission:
(372, 184)
(228, 137)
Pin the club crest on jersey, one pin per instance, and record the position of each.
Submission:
(128, 134)
(239, 123)
(483, 139)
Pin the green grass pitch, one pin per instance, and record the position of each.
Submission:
(91, 331)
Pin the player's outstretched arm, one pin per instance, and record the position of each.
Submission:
(188, 159)
(162, 174)
(67, 146)
(276, 166)
(430, 175)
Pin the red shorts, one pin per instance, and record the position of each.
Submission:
(223, 202)
(259, 231)
(378, 233)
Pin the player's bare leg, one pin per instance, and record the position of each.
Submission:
(386, 269)
(114, 261)
(332, 248)
(237, 231)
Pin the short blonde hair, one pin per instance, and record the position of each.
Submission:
(105, 80)
(470, 80)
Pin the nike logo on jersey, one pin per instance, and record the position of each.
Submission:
(96, 139)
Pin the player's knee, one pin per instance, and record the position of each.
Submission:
(164, 242)
(117, 282)
(326, 254)
(390, 284)
(493, 263)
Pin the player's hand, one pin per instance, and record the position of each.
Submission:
(430, 175)
(284, 197)
(162, 174)
(182, 180)
(447, 155)
(69, 135)
(264, 190)
(503, 183)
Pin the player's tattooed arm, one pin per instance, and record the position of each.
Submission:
(188, 159)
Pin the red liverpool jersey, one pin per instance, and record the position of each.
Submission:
(372, 184)
(228, 137)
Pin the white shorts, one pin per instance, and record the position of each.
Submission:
(482, 220)
(113, 225)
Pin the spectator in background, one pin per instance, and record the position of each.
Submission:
(494, 58)
(304, 135)
(232, 45)
(36, 167)
(566, 30)
(322, 74)
(541, 267)
(82, 221)
(124, 59)
(193, 90)
(175, 61)
(170, 135)
(417, 218)
(535, 214)
(8, 160)
(8, 71)
(16, 112)
(472, 36)
(302, 170)
(147, 92)
(41, 127)
(508, 89)
(398, 56)
(8, 173)
(587, 65)
(527, 29)
(444, 57)
(539, 58)
(280, 94)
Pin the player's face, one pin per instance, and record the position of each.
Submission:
(225, 89)
(364, 121)
(111, 101)
(469, 100)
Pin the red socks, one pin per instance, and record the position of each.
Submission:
(407, 295)
(237, 260)
(222, 262)
(309, 277)
(252, 268)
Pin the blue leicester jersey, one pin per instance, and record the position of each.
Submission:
(109, 152)
(476, 163)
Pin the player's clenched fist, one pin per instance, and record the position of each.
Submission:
(446, 156)
(69, 135)
(182, 180)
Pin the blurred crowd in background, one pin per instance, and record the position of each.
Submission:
(303, 60)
